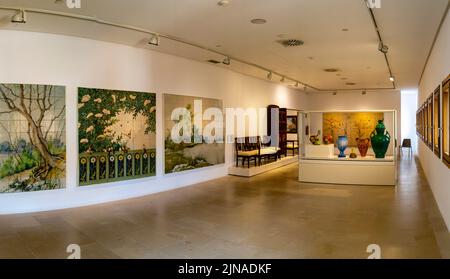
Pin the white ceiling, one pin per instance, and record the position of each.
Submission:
(408, 27)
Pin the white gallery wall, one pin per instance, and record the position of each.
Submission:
(39, 58)
(437, 69)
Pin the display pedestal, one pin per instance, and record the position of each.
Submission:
(360, 171)
(323, 150)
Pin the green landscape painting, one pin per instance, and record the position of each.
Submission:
(117, 135)
(198, 150)
(32, 137)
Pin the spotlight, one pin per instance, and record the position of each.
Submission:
(154, 40)
(223, 3)
(227, 61)
(19, 17)
(269, 76)
(391, 79)
(383, 48)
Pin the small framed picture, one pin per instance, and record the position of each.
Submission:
(292, 124)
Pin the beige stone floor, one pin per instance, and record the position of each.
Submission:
(267, 216)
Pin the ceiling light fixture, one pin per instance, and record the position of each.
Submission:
(154, 40)
(269, 76)
(383, 48)
(19, 17)
(391, 78)
(223, 3)
(227, 61)
(258, 21)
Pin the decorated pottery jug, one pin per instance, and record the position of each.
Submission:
(363, 146)
(380, 140)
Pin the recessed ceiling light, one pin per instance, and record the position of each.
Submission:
(223, 3)
(392, 79)
(258, 21)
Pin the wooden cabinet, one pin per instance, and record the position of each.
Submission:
(281, 137)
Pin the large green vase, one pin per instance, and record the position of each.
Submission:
(380, 140)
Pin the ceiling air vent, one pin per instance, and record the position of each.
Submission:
(213, 61)
(291, 42)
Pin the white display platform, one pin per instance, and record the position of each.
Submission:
(252, 171)
(359, 171)
(323, 150)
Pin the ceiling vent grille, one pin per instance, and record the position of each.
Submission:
(291, 42)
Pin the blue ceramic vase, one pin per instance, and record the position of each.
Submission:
(342, 144)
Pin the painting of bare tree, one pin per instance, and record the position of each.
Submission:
(32, 137)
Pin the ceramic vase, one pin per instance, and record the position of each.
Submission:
(380, 140)
(342, 144)
(363, 146)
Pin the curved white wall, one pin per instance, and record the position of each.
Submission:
(40, 58)
(437, 69)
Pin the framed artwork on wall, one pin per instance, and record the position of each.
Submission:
(437, 121)
(292, 124)
(116, 135)
(446, 121)
(32, 137)
(193, 132)
(430, 122)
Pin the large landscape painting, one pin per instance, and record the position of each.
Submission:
(198, 149)
(32, 137)
(117, 135)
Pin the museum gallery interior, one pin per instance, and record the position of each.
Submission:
(257, 129)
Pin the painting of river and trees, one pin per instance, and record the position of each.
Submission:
(32, 137)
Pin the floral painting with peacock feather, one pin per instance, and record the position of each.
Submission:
(117, 135)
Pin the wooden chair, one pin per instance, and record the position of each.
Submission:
(248, 148)
(292, 145)
(406, 144)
